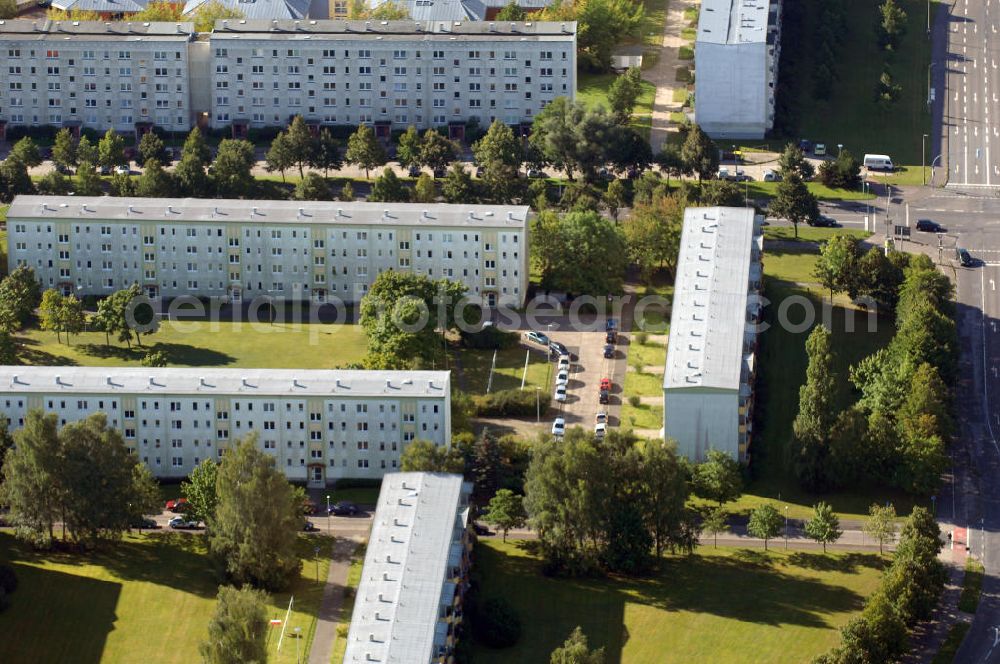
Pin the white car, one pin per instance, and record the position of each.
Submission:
(560, 393)
(122, 170)
(602, 417)
(563, 363)
(562, 377)
(559, 427)
(600, 429)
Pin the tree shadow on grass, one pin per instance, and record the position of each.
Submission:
(179, 354)
(57, 617)
(847, 562)
(29, 354)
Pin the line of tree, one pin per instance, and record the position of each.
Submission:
(908, 592)
(898, 430)
(829, 31)
(81, 475)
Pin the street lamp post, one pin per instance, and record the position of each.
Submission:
(538, 404)
(840, 146)
(923, 159)
(298, 631)
(786, 527)
(328, 514)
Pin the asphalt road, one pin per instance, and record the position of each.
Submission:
(972, 80)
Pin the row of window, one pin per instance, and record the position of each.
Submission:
(366, 54)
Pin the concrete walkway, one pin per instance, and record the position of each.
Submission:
(664, 73)
(333, 599)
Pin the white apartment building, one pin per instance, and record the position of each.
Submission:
(409, 599)
(319, 425)
(241, 249)
(125, 76)
(709, 373)
(389, 74)
(736, 56)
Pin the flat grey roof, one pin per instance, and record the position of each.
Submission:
(709, 310)
(116, 30)
(405, 575)
(185, 210)
(215, 382)
(733, 21)
(258, 29)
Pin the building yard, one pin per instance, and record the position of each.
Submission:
(152, 594)
(719, 605)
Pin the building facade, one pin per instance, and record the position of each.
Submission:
(319, 425)
(236, 249)
(709, 374)
(409, 599)
(131, 76)
(737, 51)
(390, 74)
(122, 76)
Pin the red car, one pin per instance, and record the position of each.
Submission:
(178, 505)
(605, 384)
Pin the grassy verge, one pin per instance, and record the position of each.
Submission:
(758, 189)
(643, 416)
(3, 212)
(219, 344)
(152, 594)
(971, 585)
(809, 233)
(473, 373)
(593, 89)
(703, 608)
(952, 642)
(363, 495)
(347, 607)
(654, 20)
(851, 115)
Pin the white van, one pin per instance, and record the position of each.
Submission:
(878, 162)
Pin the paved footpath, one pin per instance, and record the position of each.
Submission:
(333, 599)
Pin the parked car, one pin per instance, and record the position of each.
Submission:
(559, 348)
(611, 337)
(611, 324)
(772, 176)
(605, 383)
(741, 177)
(413, 171)
(563, 363)
(440, 172)
(562, 377)
(344, 508)
(560, 394)
(537, 337)
(104, 170)
(309, 527)
(723, 174)
(559, 427)
(600, 429)
(805, 145)
(820, 150)
(964, 257)
(602, 416)
(144, 523)
(122, 170)
(928, 226)
(180, 523)
(609, 351)
(480, 529)
(604, 396)
(535, 173)
(178, 505)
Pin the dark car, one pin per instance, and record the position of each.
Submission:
(413, 171)
(344, 508)
(144, 524)
(604, 396)
(480, 529)
(558, 348)
(611, 324)
(440, 172)
(928, 226)
(964, 257)
(611, 337)
(805, 145)
(309, 527)
(609, 351)
(480, 171)
(823, 221)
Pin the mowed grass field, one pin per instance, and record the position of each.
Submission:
(148, 599)
(720, 605)
(592, 89)
(850, 114)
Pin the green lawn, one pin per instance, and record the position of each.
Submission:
(3, 212)
(721, 605)
(647, 354)
(472, 371)
(851, 115)
(760, 189)
(643, 416)
(808, 234)
(643, 384)
(221, 344)
(593, 89)
(152, 595)
(971, 585)
(654, 20)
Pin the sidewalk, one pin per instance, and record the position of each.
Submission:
(333, 598)
(664, 73)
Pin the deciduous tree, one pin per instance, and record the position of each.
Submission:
(154, 181)
(237, 633)
(408, 149)
(881, 525)
(506, 511)
(87, 182)
(27, 151)
(111, 150)
(151, 146)
(313, 187)
(793, 160)
(623, 94)
(824, 526)
(715, 522)
(596, 242)
(817, 413)
(576, 650)
(64, 149)
(326, 153)
(765, 522)
(388, 188)
(436, 151)
(364, 150)
(700, 154)
(718, 478)
(231, 168)
(458, 186)
(794, 202)
(425, 456)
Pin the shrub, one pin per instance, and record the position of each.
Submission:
(510, 403)
(685, 53)
(8, 579)
(634, 401)
(641, 337)
(495, 624)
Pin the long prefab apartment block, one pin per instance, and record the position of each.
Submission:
(236, 249)
(253, 73)
(409, 600)
(709, 374)
(319, 425)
